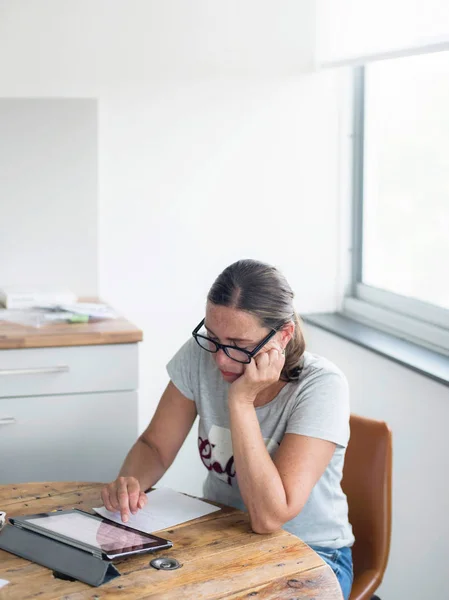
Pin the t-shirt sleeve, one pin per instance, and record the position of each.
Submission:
(322, 409)
(180, 369)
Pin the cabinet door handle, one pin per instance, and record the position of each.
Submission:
(36, 371)
(8, 421)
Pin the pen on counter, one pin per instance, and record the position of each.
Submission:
(83, 319)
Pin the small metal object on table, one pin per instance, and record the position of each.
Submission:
(165, 563)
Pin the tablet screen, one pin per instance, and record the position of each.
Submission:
(95, 532)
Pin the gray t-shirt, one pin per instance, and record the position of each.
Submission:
(317, 405)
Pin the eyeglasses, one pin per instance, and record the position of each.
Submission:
(238, 354)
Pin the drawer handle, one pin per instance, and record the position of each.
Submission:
(8, 421)
(36, 371)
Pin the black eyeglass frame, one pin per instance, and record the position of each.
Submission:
(250, 353)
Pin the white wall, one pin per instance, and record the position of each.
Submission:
(215, 142)
(48, 193)
(213, 171)
(99, 47)
(202, 173)
(207, 123)
(417, 410)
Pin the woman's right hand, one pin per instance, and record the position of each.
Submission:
(124, 495)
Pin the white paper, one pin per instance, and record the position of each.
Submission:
(3, 582)
(165, 508)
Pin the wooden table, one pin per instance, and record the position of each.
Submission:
(221, 558)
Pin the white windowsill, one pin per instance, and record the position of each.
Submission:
(421, 360)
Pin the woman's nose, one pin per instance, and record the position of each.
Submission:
(222, 359)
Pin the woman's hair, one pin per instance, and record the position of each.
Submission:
(263, 291)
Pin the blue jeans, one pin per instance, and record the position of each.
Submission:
(340, 561)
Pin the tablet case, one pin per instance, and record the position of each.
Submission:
(60, 558)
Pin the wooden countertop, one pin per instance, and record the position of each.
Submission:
(111, 331)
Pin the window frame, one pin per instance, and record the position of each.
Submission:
(408, 318)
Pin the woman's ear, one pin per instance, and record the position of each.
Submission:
(287, 333)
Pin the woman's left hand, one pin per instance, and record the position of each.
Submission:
(263, 370)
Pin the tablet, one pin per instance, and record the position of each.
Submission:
(101, 537)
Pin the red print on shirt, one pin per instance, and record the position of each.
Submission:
(205, 449)
(216, 452)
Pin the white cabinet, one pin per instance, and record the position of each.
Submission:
(68, 413)
(68, 370)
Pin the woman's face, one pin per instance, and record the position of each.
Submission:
(234, 327)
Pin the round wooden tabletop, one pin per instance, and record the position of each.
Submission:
(221, 558)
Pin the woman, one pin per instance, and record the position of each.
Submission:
(274, 419)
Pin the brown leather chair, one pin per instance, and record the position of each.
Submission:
(367, 484)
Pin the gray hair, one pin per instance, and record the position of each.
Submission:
(263, 291)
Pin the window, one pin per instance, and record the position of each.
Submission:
(401, 198)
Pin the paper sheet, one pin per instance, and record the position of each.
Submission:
(165, 508)
(3, 582)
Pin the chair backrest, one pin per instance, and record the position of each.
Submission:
(367, 484)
